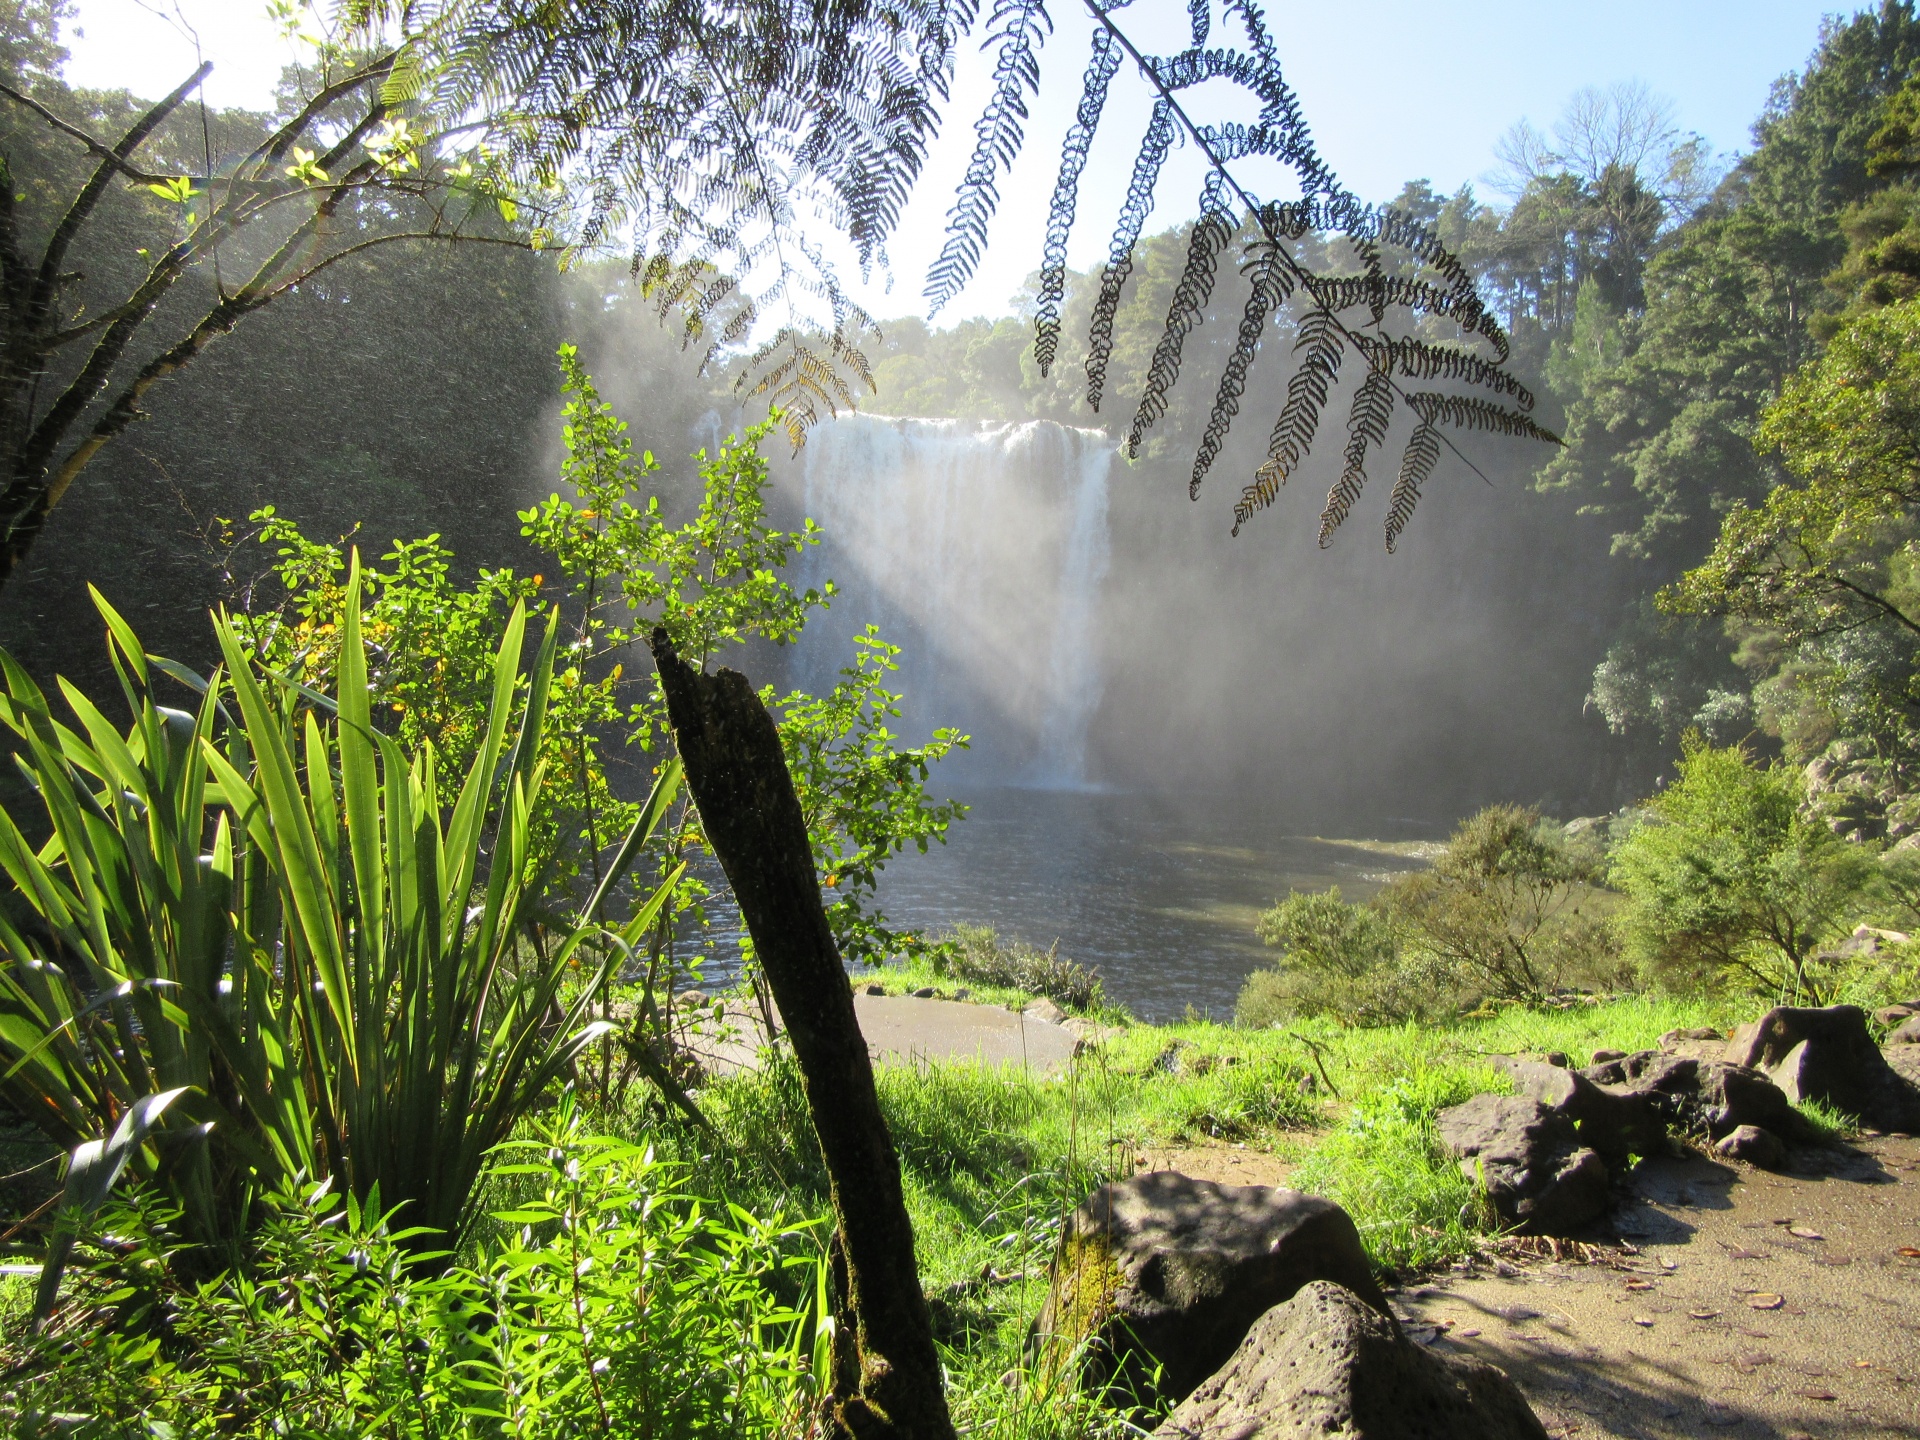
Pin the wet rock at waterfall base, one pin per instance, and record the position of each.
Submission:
(1169, 1273)
(1825, 1054)
(1538, 1175)
(1326, 1364)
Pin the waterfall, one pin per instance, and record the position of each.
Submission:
(981, 549)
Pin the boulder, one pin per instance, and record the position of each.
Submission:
(1600, 1057)
(1163, 1270)
(1618, 1124)
(1702, 1097)
(1044, 1009)
(1325, 1364)
(1675, 1038)
(1826, 1054)
(1890, 1016)
(1907, 1032)
(1538, 1175)
(1754, 1146)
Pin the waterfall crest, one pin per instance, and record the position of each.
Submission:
(982, 550)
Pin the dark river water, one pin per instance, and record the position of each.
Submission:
(1158, 895)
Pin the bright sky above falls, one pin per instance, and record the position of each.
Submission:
(1431, 106)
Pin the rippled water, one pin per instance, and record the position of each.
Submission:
(1159, 896)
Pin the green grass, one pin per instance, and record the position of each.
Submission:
(993, 1159)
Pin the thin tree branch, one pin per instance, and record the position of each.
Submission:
(47, 284)
(100, 148)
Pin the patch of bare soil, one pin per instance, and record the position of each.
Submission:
(1726, 1301)
(1218, 1161)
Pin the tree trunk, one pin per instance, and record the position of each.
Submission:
(890, 1385)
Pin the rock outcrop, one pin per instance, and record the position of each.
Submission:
(1325, 1364)
(1827, 1055)
(1167, 1272)
(1548, 1155)
(1538, 1176)
(1705, 1099)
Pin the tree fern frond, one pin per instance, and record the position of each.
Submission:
(1126, 234)
(1324, 340)
(1101, 68)
(1018, 28)
(1190, 295)
(1471, 412)
(1416, 464)
(1422, 360)
(1270, 275)
(1366, 426)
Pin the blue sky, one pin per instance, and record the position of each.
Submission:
(1394, 90)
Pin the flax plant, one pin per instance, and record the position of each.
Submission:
(277, 911)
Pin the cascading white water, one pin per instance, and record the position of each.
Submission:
(982, 550)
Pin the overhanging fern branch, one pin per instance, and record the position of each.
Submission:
(1401, 266)
(1018, 28)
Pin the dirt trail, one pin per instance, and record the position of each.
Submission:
(1749, 1304)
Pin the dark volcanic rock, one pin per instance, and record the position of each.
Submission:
(1827, 1055)
(1537, 1173)
(1324, 1364)
(1703, 1097)
(1169, 1271)
(1753, 1145)
(1618, 1124)
(1907, 1032)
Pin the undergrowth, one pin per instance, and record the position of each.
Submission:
(992, 1159)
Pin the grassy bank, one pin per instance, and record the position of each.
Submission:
(995, 1158)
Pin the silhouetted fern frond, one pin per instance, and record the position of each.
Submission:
(1269, 272)
(1019, 28)
(1126, 234)
(706, 133)
(1210, 236)
(1436, 408)
(1416, 464)
(1101, 68)
(1366, 426)
(1324, 340)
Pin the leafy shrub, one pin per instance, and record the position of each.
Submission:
(1338, 960)
(1497, 910)
(614, 1304)
(1504, 911)
(975, 953)
(619, 569)
(1729, 883)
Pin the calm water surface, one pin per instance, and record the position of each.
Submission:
(1160, 897)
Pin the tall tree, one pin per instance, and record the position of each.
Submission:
(343, 171)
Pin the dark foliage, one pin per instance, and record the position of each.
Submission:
(1403, 268)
